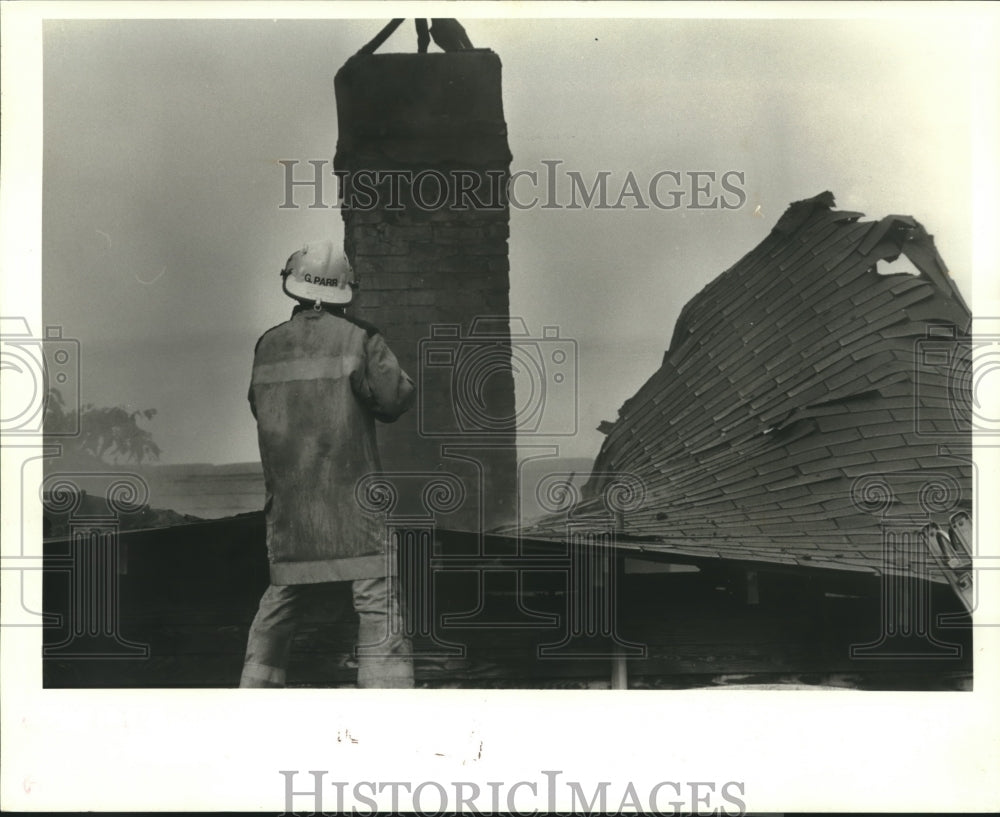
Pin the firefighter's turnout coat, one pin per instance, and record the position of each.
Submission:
(319, 382)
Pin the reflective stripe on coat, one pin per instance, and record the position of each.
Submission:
(319, 381)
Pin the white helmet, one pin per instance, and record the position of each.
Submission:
(319, 272)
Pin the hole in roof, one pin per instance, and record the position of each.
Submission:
(900, 266)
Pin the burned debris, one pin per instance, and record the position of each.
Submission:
(806, 401)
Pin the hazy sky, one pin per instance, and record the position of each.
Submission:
(163, 234)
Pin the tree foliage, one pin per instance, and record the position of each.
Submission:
(110, 434)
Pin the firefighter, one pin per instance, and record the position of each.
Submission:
(320, 381)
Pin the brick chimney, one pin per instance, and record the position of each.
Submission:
(423, 158)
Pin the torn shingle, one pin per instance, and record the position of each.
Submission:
(790, 376)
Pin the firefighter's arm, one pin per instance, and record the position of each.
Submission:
(250, 397)
(386, 388)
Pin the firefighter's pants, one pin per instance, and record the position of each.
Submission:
(384, 654)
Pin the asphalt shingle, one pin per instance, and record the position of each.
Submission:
(789, 378)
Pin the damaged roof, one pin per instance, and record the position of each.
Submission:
(807, 400)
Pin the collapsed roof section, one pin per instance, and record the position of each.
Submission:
(802, 405)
